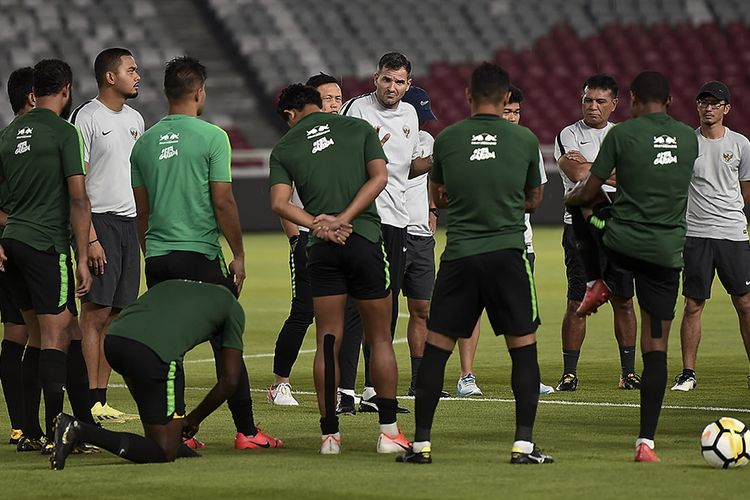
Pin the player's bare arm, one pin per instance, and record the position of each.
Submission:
(585, 193)
(228, 218)
(3, 218)
(439, 194)
(745, 188)
(281, 194)
(231, 361)
(420, 166)
(378, 178)
(142, 208)
(80, 219)
(97, 257)
(574, 165)
(533, 198)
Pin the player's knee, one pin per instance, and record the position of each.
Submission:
(693, 306)
(420, 309)
(742, 303)
(573, 306)
(622, 305)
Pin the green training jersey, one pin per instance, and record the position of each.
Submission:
(176, 315)
(38, 152)
(5, 204)
(485, 163)
(176, 160)
(325, 156)
(654, 156)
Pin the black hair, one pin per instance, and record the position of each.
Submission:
(394, 60)
(182, 76)
(650, 86)
(321, 78)
(296, 96)
(20, 85)
(601, 81)
(51, 76)
(108, 60)
(516, 95)
(489, 82)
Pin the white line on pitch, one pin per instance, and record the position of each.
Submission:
(602, 404)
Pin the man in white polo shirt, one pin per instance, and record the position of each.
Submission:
(717, 240)
(109, 128)
(386, 112)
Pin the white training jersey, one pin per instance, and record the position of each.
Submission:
(528, 235)
(715, 206)
(108, 139)
(584, 139)
(402, 147)
(417, 200)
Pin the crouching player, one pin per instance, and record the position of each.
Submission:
(146, 345)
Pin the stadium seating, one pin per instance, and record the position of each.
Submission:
(77, 30)
(548, 46)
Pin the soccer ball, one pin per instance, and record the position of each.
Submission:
(725, 443)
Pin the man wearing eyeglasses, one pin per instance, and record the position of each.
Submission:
(717, 239)
(576, 147)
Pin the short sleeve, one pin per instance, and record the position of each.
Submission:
(72, 151)
(606, 159)
(350, 109)
(542, 171)
(234, 327)
(436, 174)
(136, 179)
(220, 157)
(85, 123)
(744, 166)
(564, 142)
(278, 174)
(373, 148)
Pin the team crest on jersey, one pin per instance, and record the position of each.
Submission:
(407, 131)
(24, 133)
(170, 138)
(318, 131)
(23, 147)
(727, 156)
(484, 140)
(134, 134)
(665, 141)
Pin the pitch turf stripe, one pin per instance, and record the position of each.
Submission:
(601, 404)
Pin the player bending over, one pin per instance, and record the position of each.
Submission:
(146, 344)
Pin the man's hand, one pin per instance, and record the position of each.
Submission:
(97, 258)
(385, 138)
(432, 222)
(330, 228)
(190, 427)
(576, 156)
(83, 280)
(237, 272)
(3, 258)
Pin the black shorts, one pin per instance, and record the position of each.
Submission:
(655, 286)
(42, 281)
(619, 280)
(119, 285)
(358, 268)
(706, 256)
(157, 387)
(9, 312)
(184, 265)
(394, 242)
(500, 282)
(298, 270)
(419, 276)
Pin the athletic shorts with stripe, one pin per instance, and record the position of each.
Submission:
(358, 268)
(157, 387)
(118, 286)
(705, 257)
(186, 265)
(500, 282)
(42, 281)
(419, 276)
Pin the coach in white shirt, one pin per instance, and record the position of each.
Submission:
(109, 128)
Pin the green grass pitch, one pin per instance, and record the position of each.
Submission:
(592, 442)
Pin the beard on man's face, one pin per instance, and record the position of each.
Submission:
(65, 113)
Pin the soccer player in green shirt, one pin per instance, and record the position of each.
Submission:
(338, 167)
(182, 182)
(41, 160)
(654, 156)
(486, 173)
(146, 344)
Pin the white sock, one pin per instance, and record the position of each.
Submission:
(348, 392)
(418, 446)
(389, 429)
(589, 284)
(648, 442)
(523, 446)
